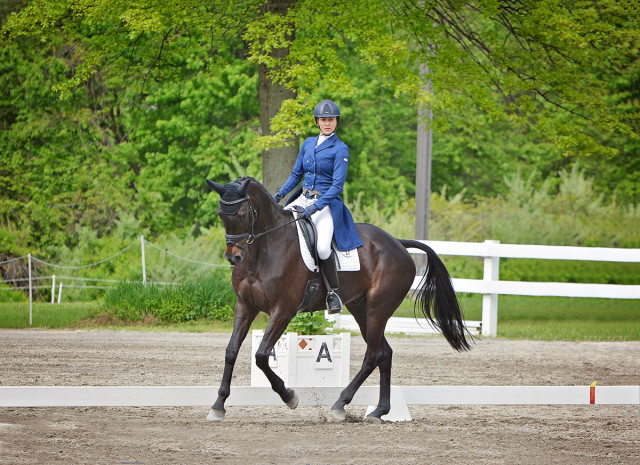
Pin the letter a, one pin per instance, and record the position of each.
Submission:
(324, 353)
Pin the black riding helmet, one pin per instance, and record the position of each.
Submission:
(326, 109)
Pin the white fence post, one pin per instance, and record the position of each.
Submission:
(30, 294)
(490, 301)
(60, 292)
(144, 267)
(53, 289)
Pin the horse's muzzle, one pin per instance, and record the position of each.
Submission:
(233, 256)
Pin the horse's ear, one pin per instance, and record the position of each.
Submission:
(242, 188)
(219, 188)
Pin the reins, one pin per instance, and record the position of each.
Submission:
(273, 229)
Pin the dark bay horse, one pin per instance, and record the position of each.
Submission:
(269, 276)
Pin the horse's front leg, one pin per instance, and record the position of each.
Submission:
(277, 324)
(241, 324)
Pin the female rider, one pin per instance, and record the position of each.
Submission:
(323, 161)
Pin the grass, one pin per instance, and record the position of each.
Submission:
(555, 318)
(15, 315)
(91, 315)
(538, 318)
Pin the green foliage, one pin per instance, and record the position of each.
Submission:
(8, 294)
(527, 53)
(205, 128)
(212, 298)
(570, 212)
(309, 323)
(561, 211)
(115, 112)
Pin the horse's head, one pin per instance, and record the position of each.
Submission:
(238, 216)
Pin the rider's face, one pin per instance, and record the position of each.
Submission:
(327, 125)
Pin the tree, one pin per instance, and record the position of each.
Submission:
(527, 52)
(143, 41)
(276, 161)
(516, 82)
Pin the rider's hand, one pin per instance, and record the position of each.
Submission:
(278, 196)
(310, 210)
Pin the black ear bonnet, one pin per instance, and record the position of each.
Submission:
(232, 199)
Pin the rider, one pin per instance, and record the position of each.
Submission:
(323, 161)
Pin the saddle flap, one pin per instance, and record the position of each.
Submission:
(309, 233)
(347, 260)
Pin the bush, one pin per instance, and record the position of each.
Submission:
(309, 323)
(210, 298)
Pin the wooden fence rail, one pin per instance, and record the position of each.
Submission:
(491, 287)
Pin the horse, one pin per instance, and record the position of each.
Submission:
(270, 276)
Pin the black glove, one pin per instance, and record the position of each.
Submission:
(310, 210)
(278, 196)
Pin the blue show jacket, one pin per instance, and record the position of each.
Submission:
(325, 169)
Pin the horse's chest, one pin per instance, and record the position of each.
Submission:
(254, 292)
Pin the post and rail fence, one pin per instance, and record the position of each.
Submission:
(490, 286)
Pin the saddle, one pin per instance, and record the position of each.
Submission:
(310, 235)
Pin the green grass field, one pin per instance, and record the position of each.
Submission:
(15, 315)
(542, 318)
(556, 318)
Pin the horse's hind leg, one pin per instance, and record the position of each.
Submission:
(385, 354)
(378, 354)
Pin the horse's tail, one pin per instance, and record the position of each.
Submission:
(437, 300)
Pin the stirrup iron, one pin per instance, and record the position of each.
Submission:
(333, 302)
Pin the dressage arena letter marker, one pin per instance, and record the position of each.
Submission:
(305, 360)
(592, 393)
(323, 360)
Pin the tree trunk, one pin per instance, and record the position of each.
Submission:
(277, 163)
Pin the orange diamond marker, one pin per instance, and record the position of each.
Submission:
(303, 344)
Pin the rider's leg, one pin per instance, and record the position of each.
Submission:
(324, 225)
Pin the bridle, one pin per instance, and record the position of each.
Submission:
(249, 237)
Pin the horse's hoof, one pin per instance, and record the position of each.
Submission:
(373, 420)
(293, 402)
(216, 415)
(336, 416)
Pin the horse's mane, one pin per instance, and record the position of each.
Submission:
(258, 184)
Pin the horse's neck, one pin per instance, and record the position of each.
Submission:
(269, 216)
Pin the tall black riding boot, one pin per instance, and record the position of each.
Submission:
(330, 273)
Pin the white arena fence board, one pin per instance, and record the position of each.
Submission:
(555, 252)
(175, 396)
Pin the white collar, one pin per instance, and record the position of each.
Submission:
(322, 138)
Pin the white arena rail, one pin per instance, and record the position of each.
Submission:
(401, 396)
(491, 287)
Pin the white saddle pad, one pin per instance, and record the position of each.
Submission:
(347, 261)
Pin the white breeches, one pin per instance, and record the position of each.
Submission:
(324, 225)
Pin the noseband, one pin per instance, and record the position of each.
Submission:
(249, 237)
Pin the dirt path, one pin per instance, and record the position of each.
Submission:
(277, 435)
